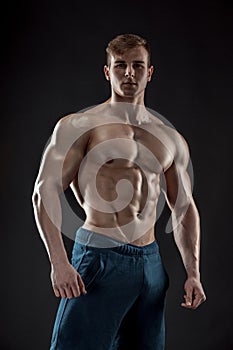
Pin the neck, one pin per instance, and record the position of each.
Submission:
(130, 113)
(133, 100)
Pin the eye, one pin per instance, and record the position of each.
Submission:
(138, 65)
(120, 65)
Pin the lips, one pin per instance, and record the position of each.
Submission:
(129, 83)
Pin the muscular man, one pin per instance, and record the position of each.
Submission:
(115, 156)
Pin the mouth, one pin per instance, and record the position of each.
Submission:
(129, 83)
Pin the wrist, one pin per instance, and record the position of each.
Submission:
(193, 274)
(192, 270)
(58, 260)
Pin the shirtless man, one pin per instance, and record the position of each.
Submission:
(115, 156)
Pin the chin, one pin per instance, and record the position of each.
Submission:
(128, 94)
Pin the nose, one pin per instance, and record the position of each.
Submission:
(129, 72)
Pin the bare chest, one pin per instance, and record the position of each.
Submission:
(121, 145)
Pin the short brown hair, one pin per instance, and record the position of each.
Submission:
(121, 43)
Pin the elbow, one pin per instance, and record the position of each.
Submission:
(181, 205)
(44, 191)
(187, 214)
(36, 196)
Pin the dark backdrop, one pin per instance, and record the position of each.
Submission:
(51, 64)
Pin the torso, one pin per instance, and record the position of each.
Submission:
(128, 153)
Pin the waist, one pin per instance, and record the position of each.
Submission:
(136, 232)
(97, 240)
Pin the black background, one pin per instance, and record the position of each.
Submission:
(51, 65)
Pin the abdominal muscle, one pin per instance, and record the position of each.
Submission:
(130, 220)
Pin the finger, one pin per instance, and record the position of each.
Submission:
(188, 303)
(68, 292)
(187, 306)
(198, 300)
(56, 291)
(81, 284)
(189, 296)
(75, 290)
(62, 293)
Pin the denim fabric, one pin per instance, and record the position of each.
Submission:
(125, 301)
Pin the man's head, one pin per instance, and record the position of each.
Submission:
(124, 42)
(128, 68)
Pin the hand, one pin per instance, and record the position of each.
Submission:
(66, 281)
(194, 293)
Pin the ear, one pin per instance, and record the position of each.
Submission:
(106, 72)
(150, 72)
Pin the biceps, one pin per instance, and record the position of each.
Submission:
(57, 170)
(71, 166)
(178, 187)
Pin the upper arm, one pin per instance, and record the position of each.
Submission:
(178, 191)
(63, 155)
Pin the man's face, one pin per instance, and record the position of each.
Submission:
(129, 73)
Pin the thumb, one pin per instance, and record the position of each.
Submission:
(189, 296)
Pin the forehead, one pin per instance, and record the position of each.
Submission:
(135, 54)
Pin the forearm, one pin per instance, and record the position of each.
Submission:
(48, 216)
(187, 237)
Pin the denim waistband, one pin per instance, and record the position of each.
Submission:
(93, 240)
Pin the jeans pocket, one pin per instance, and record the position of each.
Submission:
(90, 269)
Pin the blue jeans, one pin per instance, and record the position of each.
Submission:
(125, 301)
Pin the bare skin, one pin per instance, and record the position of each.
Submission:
(168, 157)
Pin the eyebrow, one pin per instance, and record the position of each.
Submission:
(137, 61)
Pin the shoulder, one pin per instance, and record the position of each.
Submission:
(172, 139)
(84, 120)
(177, 144)
(73, 125)
(73, 121)
(70, 131)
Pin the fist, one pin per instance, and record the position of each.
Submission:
(66, 281)
(194, 293)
